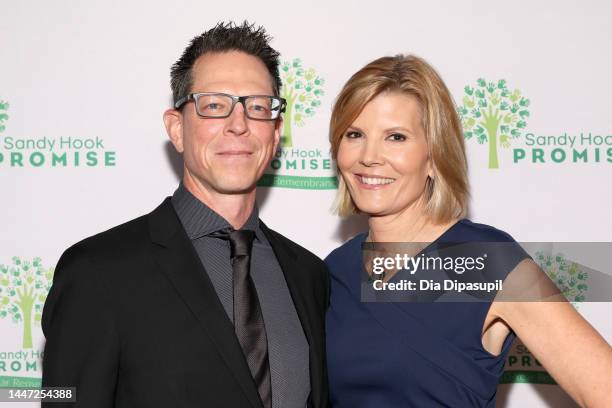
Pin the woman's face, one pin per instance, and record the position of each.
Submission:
(383, 156)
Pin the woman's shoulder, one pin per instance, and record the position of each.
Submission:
(346, 251)
(467, 230)
(502, 251)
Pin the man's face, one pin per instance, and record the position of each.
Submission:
(225, 155)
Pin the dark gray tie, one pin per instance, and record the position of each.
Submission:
(248, 319)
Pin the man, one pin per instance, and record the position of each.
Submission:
(197, 304)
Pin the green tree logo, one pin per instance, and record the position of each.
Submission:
(3, 115)
(302, 88)
(493, 113)
(23, 289)
(568, 276)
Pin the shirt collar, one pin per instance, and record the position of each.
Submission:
(199, 220)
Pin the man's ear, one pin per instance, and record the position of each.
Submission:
(277, 132)
(173, 120)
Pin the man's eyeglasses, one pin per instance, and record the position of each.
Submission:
(221, 105)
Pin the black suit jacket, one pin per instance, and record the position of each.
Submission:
(132, 320)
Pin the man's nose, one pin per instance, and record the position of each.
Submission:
(237, 121)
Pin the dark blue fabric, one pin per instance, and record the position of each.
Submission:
(407, 354)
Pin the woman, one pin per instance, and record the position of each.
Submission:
(398, 145)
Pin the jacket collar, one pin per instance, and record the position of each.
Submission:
(179, 262)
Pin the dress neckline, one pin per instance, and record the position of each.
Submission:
(362, 238)
(429, 247)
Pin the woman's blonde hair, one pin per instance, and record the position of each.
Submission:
(447, 193)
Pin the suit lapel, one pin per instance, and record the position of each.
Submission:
(298, 285)
(179, 262)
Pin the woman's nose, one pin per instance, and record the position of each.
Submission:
(371, 154)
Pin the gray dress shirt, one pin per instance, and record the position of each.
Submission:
(288, 350)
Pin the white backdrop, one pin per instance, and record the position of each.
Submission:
(99, 70)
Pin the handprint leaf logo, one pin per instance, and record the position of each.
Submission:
(568, 276)
(3, 115)
(23, 290)
(493, 113)
(303, 89)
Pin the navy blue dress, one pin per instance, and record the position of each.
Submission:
(408, 354)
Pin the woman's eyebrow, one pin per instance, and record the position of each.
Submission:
(399, 128)
(351, 127)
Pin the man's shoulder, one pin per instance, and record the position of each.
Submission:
(119, 236)
(122, 241)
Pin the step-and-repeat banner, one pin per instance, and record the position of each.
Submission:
(82, 146)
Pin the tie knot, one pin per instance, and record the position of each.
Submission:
(241, 241)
